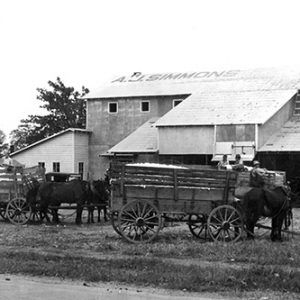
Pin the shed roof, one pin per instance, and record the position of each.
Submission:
(51, 137)
(286, 139)
(227, 107)
(143, 139)
(164, 84)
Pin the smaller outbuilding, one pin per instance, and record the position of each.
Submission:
(66, 151)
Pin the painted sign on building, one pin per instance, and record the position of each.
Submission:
(139, 77)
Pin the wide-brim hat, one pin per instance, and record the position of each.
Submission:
(256, 162)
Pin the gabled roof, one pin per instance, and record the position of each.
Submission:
(163, 84)
(143, 139)
(227, 107)
(51, 137)
(286, 139)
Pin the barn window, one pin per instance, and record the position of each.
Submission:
(176, 102)
(56, 167)
(113, 107)
(145, 106)
(41, 164)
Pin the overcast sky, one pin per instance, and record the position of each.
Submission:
(88, 42)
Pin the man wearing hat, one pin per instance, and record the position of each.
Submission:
(257, 175)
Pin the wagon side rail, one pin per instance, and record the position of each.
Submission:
(171, 188)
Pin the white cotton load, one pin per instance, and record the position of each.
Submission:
(155, 165)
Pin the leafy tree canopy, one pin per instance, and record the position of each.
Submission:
(3, 144)
(65, 107)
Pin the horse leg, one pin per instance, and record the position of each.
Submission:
(43, 213)
(90, 214)
(79, 214)
(55, 218)
(105, 213)
(99, 213)
(276, 228)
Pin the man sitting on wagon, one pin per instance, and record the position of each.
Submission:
(224, 163)
(238, 165)
(257, 175)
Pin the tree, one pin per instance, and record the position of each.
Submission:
(65, 107)
(3, 144)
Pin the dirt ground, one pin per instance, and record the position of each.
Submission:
(101, 242)
(25, 287)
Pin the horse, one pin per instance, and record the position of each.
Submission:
(51, 195)
(262, 202)
(99, 197)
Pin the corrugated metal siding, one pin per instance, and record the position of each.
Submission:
(287, 139)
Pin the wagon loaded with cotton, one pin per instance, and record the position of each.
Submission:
(15, 182)
(144, 197)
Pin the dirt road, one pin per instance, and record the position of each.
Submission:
(20, 287)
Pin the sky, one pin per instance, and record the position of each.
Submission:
(87, 42)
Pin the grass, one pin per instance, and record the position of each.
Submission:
(174, 260)
(153, 272)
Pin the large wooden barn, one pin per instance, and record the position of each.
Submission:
(225, 112)
(195, 118)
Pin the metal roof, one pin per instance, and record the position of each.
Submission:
(227, 107)
(164, 84)
(143, 139)
(286, 139)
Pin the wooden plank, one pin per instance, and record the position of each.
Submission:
(166, 193)
(7, 184)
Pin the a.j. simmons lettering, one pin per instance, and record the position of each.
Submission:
(138, 77)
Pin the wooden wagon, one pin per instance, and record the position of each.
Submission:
(15, 182)
(144, 196)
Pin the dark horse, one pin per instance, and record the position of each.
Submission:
(50, 195)
(262, 202)
(99, 197)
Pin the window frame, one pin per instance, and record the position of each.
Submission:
(56, 166)
(141, 106)
(117, 108)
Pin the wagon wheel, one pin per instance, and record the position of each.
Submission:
(198, 226)
(225, 224)
(18, 211)
(114, 222)
(139, 221)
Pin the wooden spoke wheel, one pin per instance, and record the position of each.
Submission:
(18, 211)
(198, 226)
(114, 222)
(139, 221)
(225, 224)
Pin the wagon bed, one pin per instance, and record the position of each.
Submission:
(15, 182)
(142, 197)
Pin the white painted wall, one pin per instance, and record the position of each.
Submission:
(186, 140)
(68, 149)
(81, 152)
